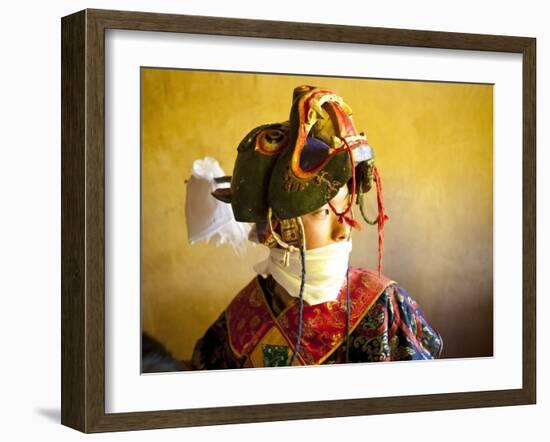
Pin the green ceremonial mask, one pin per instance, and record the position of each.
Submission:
(299, 165)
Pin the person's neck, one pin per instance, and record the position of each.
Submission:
(281, 299)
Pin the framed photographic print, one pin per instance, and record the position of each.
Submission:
(186, 142)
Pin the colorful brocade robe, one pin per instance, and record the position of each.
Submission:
(386, 324)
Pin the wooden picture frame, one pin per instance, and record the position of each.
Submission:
(83, 219)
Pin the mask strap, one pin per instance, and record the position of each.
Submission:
(362, 209)
(288, 248)
(301, 298)
(348, 314)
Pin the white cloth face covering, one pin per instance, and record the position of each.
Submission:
(326, 269)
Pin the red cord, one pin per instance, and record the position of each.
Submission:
(343, 216)
(382, 218)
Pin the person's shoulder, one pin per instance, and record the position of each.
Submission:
(370, 278)
(251, 292)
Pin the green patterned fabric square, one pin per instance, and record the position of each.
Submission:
(275, 355)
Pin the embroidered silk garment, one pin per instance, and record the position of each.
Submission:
(386, 324)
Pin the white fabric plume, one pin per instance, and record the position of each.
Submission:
(207, 218)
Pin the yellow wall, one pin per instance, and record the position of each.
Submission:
(434, 148)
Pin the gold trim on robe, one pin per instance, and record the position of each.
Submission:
(267, 340)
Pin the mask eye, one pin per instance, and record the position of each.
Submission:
(271, 141)
(314, 153)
